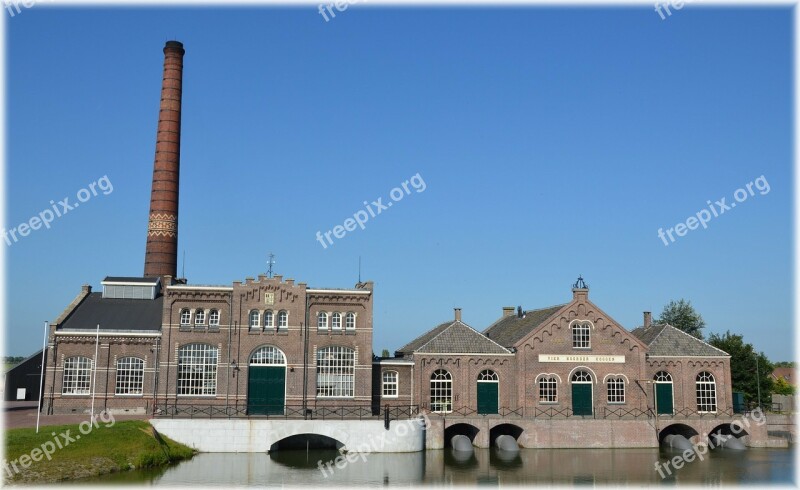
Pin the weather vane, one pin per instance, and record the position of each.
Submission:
(270, 263)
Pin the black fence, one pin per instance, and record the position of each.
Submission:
(174, 409)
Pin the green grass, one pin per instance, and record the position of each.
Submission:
(123, 446)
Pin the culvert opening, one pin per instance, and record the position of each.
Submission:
(504, 430)
(303, 442)
(463, 429)
(678, 429)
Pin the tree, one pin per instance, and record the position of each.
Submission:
(782, 387)
(744, 359)
(790, 364)
(681, 315)
(385, 353)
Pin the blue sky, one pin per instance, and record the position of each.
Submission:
(553, 142)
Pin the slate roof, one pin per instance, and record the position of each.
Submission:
(508, 330)
(666, 340)
(115, 314)
(453, 338)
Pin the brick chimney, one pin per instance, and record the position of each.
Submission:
(648, 319)
(508, 311)
(161, 254)
(458, 314)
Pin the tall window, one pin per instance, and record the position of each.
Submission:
(662, 377)
(130, 376)
(268, 356)
(254, 320)
(77, 376)
(390, 384)
(213, 318)
(283, 319)
(581, 377)
(706, 392)
(322, 321)
(336, 321)
(548, 390)
(200, 317)
(441, 391)
(350, 321)
(197, 369)
(616, 390)
(186, 317)
(336, 372)
(269, 319)
(581, 336)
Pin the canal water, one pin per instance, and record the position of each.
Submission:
(483, 467)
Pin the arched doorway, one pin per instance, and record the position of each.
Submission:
(266, 385)
(664, 396)
(582, 393)
(488, 392)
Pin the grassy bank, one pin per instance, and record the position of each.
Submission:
(120, 447)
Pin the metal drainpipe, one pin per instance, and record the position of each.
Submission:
(169, 343)
(305, 362)
(157, 367)
(228, 368)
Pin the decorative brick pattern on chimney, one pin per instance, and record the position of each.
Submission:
(161, 254)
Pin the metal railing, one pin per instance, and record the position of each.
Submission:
(188, 409)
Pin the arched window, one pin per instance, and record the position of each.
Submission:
(662, 377)
(548, 389)
(336, 372)
(581, 335)
(616, 389)
(200, 317)
(255, 318)
(488, 375)
(130, 376)
(197, 369)
(706, 392)
(322, 321)
(581, 377)
(213, 318)
(350, 321)
(336, 321)
(268, 356)
(77, 376)
(283, 319)
(269, 319)
(186, 317)
(389, 384)
(441, 391)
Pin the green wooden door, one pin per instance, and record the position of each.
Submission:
(664, 398)
(266, 390)
(582, 399)
(487, 398)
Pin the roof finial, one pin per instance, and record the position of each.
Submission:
(579, 284)
(270, 263)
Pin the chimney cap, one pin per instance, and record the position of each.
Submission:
(176, 45)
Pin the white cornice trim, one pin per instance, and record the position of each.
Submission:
(85, 333)
(183, 287)
(338, 291)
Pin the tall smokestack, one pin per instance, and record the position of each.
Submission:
(161, 255)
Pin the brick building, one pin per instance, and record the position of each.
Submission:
(570, 359)
(268, 346)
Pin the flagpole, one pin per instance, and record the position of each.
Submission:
(41, 376)
(94, 376)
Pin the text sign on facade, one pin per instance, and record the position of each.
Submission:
(578, 358)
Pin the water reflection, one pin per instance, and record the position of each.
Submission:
(483, 466)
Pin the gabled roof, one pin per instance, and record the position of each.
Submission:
(666, 340)
(453, 338)
(115, 314)
(508, 330)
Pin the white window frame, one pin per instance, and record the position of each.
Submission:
(283, 320)
(129, 376)
(706, 392)
(336, 321)
(200, 317)
(186, 317)
(197, 370)
(390, 388)
(548, 390)
(268, 355)
(441, 391)
(77, 376)
(322, 321)
(269, 319)
(213, 318)
(336, 372)
(582, 335)
(254, 321)
(350, 321)
(615, 390)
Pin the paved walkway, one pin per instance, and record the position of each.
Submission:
(23, 414)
